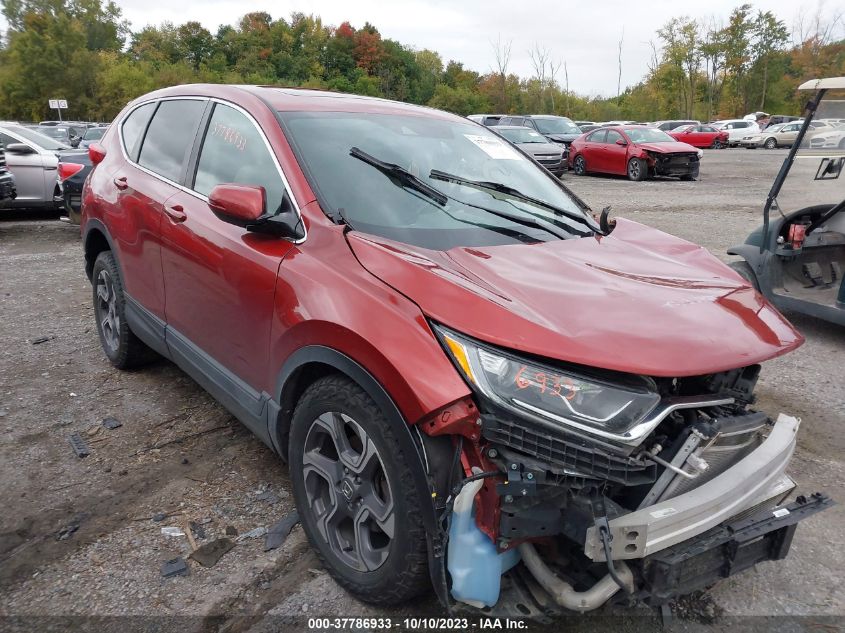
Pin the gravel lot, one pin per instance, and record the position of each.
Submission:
(179, 453)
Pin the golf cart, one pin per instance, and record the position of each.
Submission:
(797, 258)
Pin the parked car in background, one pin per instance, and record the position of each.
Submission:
(8, 190)
(828, 138)
(73, 169)
(91, 135)
(700, 136)
(33, 159)
(671, 124)
(69, 136)
(588, 127)
(777, 119)
(488, 120)
(559, 129)
(736, 129)
(548, 154)
(581, 124)
(636, 151)
(785, 134)
(767, 138)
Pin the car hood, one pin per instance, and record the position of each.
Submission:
(540, 148)
(668, 147)
(563, 138)
(637, 301)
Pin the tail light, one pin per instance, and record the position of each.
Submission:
(66, 170)
(96, 153)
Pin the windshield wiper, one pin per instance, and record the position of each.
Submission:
(400, 176)
(510, 192)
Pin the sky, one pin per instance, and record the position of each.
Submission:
(584, 34)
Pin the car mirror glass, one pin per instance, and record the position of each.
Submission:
(19, 148)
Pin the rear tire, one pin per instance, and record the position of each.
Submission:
(123, 349)
(355, 493)
(637, 169)
(687, 178)
(745, 271)
(771, 143)
(579, 166)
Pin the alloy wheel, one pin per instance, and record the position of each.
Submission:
(107, 314)
(634, 169)
(579, 166)
(771, 143)
(348, 492)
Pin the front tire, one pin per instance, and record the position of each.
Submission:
(579, 166)
(355, 493)
(123, 349)
(771, 143)
(637, 169)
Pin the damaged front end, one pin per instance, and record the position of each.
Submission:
(610, 486)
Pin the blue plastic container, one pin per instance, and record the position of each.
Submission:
(473, 562)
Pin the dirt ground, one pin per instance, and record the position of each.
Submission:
(78, 536)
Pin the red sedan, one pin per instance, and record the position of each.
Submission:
(633, 150)
(700, 136)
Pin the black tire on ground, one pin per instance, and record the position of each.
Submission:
(123, 349)
(771, 143)
(336, 431)
(579, 166)
(687, 177)
(717, 144)
(746, 272)
(637, 169)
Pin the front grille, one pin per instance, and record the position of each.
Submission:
(553, 449)
(738, 437)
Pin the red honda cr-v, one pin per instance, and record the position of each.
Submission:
(464, 369)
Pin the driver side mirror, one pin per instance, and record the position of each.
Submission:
(19, 148)
(621, 141)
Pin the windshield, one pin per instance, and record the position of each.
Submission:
(817, 175)
(647, 135)
(94, 133)
(556, 125)
(372, 201)
(522, 135)
(44, 142)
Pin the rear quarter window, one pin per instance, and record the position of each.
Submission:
(133, 128)
(170, 137)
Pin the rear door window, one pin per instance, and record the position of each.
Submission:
(133, 128)
(170, 137)
(234, 151)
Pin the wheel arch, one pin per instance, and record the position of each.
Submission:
(96, 239)
(311, 362)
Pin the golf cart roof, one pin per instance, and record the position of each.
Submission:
(830, 83)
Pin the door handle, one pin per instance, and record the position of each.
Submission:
(176, 213)
(120, 183)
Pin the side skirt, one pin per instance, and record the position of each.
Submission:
(251, 407)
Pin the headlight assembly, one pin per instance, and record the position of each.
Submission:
(531, 388)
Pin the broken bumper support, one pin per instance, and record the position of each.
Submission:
(726, 550)
(755, 479)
